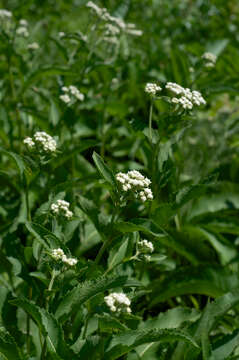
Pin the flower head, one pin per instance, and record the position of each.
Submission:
(71, 94)
(188, 98)
(59, 255)
(135, 182)
(152, 88)
(42, 142)
(145, 247)
(33, 46)
(210, 59)
(118, 302)
(5, 14)
(61, 207)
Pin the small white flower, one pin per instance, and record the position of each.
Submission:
(61, 207)
(118, 302)
(65, 98)
(145, 246)
(5, 14)
(29, 142)
(210, 59)
(61, 34)
(188, 97)
(152, 88)
(22, 31)
(135, 181)
(58, 254)
(23, 22)
(175, 88)
(33, 46)
(44, 141)
(71, 94)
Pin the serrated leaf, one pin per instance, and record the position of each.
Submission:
(85, 291)
(8, 346)
(48, 326)
(123, 343)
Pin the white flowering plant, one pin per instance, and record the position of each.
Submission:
(119, 172)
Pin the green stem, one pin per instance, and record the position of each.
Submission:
(150, 121)
(108, 241)
(28, 326)
(53, 276)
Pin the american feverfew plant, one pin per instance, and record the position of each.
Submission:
(119, 172)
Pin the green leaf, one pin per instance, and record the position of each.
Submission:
(210, 281)
(225, 346)
(107, 324)
(48, 326)
(45, 237)
(123, 343)
(118, 254)
(18, 160)
(86, 144)
(8, 346)
(210, 316)
(104, 170)
(149, 228)
(85, 291)
(46, 71)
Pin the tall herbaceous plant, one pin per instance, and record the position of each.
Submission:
(119, 172)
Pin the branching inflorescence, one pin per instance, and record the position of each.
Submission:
(135, 182)
(42, 142)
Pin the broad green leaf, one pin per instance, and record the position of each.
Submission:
(225, 346)
(8, 346)
(104, 170)
(200, 332)
(48, 326)
(204, 280)
(18, 160)
(45, 237)
(108, 324)
(225, 252)
(118, 254)
(123, 343)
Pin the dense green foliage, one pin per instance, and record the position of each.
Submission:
(182, 298)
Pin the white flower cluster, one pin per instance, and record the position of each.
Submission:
(145, 246)
(58, 254)
(210, 59)
(152, 88)
(104, 15)
(135, 181)
(42, 141)
(71, 93)
(33, 46)
(118, 302)
(61, 207)
(188, 97)
(22, 29)
(5, 14)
